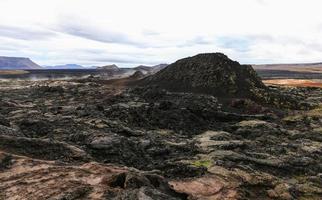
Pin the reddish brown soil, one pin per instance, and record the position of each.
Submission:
(294, 82)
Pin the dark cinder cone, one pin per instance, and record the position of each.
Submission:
(210, 73)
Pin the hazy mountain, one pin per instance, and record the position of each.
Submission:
(150, 69)
(109, 67)
(17, 63)
(143, 67)
(159, 67)
(67, 66)
(137, 75)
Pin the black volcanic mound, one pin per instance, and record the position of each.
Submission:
(211, 73)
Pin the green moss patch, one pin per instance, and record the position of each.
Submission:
(202, 163)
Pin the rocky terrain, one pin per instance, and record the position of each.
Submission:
(208, 73)
(137, 138)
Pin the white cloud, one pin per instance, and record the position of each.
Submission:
(131, 32)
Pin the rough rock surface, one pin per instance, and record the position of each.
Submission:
(212, 73)
(100, 140)
(215, 74)
(25, 178)
(205, 148)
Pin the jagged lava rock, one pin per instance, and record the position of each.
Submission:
(210, 73)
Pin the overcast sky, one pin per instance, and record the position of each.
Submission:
(132, 32)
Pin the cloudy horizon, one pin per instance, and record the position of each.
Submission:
(130, 33)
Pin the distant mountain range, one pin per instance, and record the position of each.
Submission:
(141, 68)
(67, 66)
(17, 63)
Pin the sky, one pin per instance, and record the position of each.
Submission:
(149, 32)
